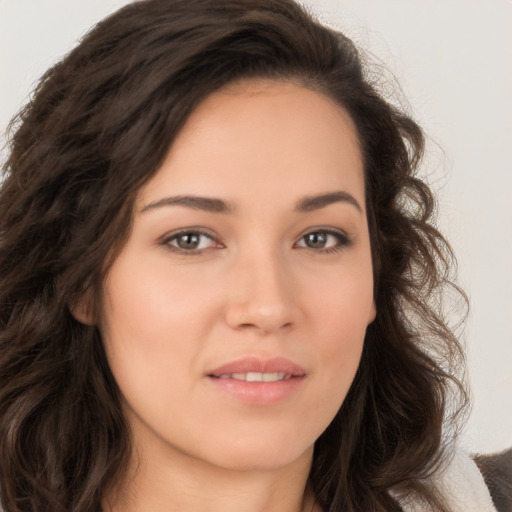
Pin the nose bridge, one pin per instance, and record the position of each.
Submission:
(262, 294)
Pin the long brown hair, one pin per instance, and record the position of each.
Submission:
(96, 129)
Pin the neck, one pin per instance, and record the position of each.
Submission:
(181, 483)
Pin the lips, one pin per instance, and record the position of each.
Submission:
(252, 367)
(257, 381)
(257, 376)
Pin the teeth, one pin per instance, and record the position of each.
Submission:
(257, 376)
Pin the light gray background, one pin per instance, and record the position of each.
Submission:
(453, 60)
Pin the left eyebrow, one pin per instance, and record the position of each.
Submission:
(310, 203)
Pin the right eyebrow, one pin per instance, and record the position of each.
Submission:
(208, 204)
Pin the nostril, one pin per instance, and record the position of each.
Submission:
(262, 313)
(262, 327)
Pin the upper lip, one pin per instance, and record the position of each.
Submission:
(259, 365)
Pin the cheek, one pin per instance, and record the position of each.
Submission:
(156, 322)
(144, 322)
(339, 329)
(154, 304)
(342, 344)
(344, 309)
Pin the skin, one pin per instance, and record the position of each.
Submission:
(254, 286)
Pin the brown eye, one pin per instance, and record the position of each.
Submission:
(189, 241)
(316, 240)
(324, 241)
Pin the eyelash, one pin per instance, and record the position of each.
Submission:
(175, 236)
(343, 241)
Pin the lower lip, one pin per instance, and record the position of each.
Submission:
(258, 393)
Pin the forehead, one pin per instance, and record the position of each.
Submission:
(262, 137)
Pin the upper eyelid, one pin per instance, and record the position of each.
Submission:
(173, 235)
(189, 230)
(328, 230)
(341, 235)
(165, 239)
(208, 232)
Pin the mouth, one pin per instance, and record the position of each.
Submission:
(258, 381)
(255, 369)
(255, 376)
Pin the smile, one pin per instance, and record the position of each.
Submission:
(257, 376)
(255, 369)
(256, 381)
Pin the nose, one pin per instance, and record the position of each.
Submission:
(262, 294)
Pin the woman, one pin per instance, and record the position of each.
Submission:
(221, 280)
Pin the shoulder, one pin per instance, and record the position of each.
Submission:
(496, 470)
(460, 484)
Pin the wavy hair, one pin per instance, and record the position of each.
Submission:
(97, 127)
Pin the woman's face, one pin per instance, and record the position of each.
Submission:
(234, 316)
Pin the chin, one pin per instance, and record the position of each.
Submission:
(260, 455)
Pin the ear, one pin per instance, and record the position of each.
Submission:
(81, 307)
(373, 313)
